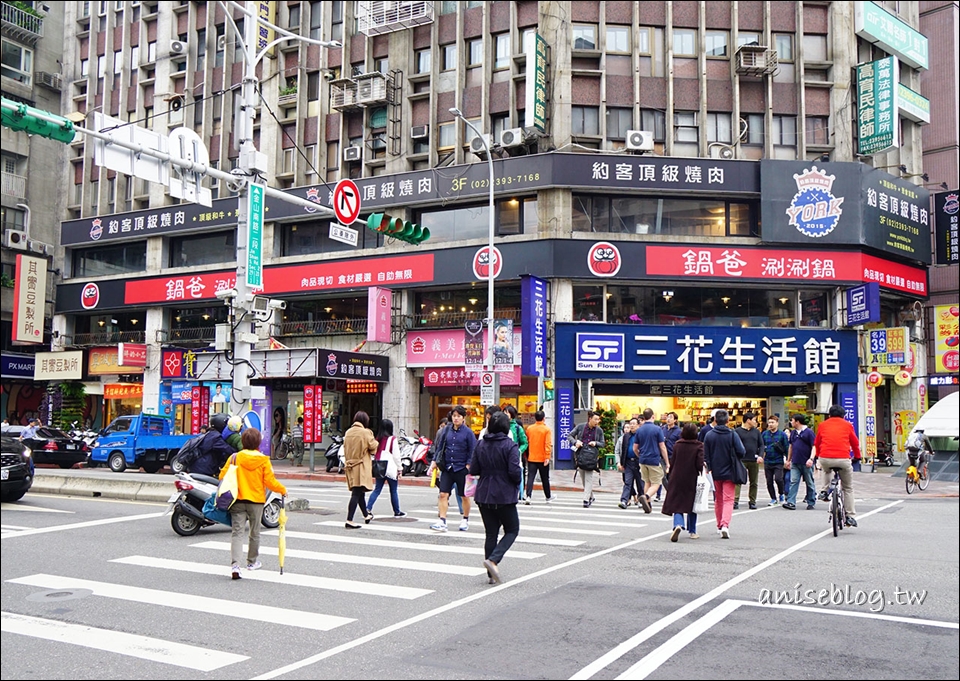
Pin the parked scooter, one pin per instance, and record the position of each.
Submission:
(193, 490)
(334, 455)
(86, 437)
(415, 454)
(884, 454)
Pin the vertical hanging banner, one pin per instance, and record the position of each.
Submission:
(255, 208)
(204, 414)
(533, 353)
(473, 333)
(878, 113)
(946, 330)
(946, 216)
(564, 415)
(29, 299)
(195, 410)
(312, 414)
(379, 309)
(870, 422)
(536, 83)
(503, 359)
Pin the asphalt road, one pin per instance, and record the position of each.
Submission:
(103, 589)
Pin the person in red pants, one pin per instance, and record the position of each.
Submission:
(720, 448)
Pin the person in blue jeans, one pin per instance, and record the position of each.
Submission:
(388, 450)
(800, 463)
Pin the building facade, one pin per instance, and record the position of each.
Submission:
(691, 165)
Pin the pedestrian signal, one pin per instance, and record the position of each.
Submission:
(398, 228)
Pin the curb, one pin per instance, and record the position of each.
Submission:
(134, 490)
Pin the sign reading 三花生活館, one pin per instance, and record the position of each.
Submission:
(863, 304)
(533, 297)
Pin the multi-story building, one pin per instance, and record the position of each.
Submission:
(32, 74)
(685, 175)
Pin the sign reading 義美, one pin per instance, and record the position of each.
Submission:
(707, 353)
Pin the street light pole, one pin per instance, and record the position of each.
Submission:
(490, 234)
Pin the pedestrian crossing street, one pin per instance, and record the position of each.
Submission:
(400, 560)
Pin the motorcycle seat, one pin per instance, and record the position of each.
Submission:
(205, 478)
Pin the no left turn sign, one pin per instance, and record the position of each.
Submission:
(346, 202)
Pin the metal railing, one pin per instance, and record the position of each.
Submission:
(21, 24)
(197, 334)
(14, 185)
(442, 320)
(329, 327)
(81, 340)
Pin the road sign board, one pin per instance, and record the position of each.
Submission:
(186, 145)
(489, 385)
(346, 201)
(255, 204)
(344, 234)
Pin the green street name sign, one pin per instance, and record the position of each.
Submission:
(536, 85)
(874, 24)
(255, 205)
(877, 110)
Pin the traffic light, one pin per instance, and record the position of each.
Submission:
(18, 116)
(548, 394)
(398, 228)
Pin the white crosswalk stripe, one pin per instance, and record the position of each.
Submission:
(173, 599)
(328, 583)
(453, 532)
(565, 530)
(376, 561)
(122, 643)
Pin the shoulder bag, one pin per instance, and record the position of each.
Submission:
(740, 475)
(380, 464)
(229, 487)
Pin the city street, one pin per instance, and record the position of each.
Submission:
(98, 588)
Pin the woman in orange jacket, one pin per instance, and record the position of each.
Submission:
(254, 475)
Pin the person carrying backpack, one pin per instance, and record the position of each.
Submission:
(214, 450)
(586, 440)
(519, 435)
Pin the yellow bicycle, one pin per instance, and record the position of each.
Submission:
(917, 473)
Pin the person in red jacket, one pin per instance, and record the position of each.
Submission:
(836, 439)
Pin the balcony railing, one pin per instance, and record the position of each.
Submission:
(443, 320)
(198, 335)
(20, 25)
(83, 340)
(14, 185)
(329, 327)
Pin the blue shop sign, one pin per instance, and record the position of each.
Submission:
(565, 424)
(863, 304)
(715, 354)
(18, 366)
(533, 353)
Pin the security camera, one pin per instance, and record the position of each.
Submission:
(278, 304)
(226, 294)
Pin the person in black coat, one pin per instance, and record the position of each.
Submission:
(722, 450)
(496, 462)
(214, 450)
(686, 466)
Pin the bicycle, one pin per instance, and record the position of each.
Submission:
(835, 496)
(917, 473)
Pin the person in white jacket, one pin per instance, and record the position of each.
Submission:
(388, 451)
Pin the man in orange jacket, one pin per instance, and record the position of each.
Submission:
(835, 440)
(540, 441)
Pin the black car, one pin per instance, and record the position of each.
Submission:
(50, 445)
(16, 470)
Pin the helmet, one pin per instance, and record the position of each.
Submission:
(235, 424)
(219, 422)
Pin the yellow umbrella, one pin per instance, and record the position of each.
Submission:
(282, 533)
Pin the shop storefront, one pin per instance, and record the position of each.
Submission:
(119, 369)
(20, 396)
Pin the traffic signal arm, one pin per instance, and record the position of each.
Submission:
(398, 228)
(18, 116)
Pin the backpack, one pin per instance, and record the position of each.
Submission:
(587, 457)
(190, 451)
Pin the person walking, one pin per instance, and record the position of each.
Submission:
(671, 433)
(539, 453)
(496, 463)
(359, 446)
(753, 444)
(628, 463)
(800, 462)
(454, 450)
(388, 450)
(649, 446)
(213, 450)
(296, 434)
(775, 447)
(720, 448)
(254, 476)
(519, 435)
(686, 465)
(834, 442)
(586, 439)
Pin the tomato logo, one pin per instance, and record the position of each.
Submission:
(951, 360)
(603, 259)
(90, 296)
(482, 264)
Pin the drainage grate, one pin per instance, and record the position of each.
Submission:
(63, 595)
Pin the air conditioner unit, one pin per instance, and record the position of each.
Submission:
(724, 151)
(178, 47)
(50, 80)
(353, 153)
(476, 144)
(512, 137)
(639, 140)
(221, 43)
(419, 132)
(14, 238)
(39, 247)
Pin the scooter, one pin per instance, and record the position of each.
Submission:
(193, 490)
(884, 455)
(334, 455)
(420, 457)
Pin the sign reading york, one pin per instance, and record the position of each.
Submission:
(600, 352)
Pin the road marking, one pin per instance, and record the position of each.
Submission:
(631, 643)
(20, 506)
(387, 543)
(14, 528)
(443, 568)
(310, 581)
(653, 660)
(547, 517)
(416, 619)
(453, 532)
(77, 526)
(586, 513)
(593, 533)
(177, 599)
(142, 647)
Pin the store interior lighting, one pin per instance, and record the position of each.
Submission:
(667, 295)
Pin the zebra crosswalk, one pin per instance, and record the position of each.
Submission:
(401, 560)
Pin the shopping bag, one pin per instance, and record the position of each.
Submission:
(229, 487)
(471, 487)
(701, 499)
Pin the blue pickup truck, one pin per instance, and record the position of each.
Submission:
(138, 441)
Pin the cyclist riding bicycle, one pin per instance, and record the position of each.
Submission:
(835, 440)
(918, 446)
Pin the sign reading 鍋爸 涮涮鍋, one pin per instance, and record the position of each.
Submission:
(255, 208)
(878, 112)
(705, 353)
(863, 304)
(312, 413)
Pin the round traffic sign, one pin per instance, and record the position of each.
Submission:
(486, 378)
(346, 202)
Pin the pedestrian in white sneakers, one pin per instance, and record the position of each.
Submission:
(454, 452)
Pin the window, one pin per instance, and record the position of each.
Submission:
(818, 130)
(152, 52)
(716, 43)
(645, 215)
(473, 222)
(588, 303)
(316, 20)
(448, 7)
(815, 47)
(118, 62)
(785, 131)
(643, 40)
(12, 218)
(784, 44)
(747, 38)
(618, 39)
(237, 48)
(446, 135)
(654, 121)
(109, 260)
(218, 55)
(755, 128)
(718, 128)
(203, 249)
(685, 126)
(293, 18)
(308, 238)
(135, 56)
(618, 122)
(201, 48)
(287, 164)
(684, 42)
(501, 51)
(584, 36)
(17, 62)
(313, 86)
(84, 68)
(310, 165)
(336, 20)
(449, 57)
(475, 52)
(498, 124)
(422, 61)
(585, 120)
(814, 309)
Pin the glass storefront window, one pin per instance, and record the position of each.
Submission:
(307, 238)
(670, 305)
(588, 303)
(110, 260)
(644, 215)
(452, 308)
(473, 222)
(203, 249)
(814, 309)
